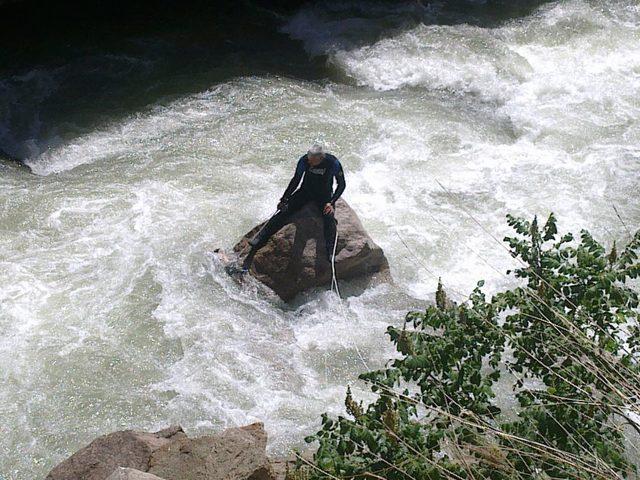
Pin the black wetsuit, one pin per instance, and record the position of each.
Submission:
(317, 187)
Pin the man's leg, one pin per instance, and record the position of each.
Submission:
(330, 222)
(274, 224)
(279, 220)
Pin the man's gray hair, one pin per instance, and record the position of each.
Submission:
(316, 149)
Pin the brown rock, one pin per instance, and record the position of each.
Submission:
(235, 454)
(121, 473)
(101, 457)
(283, 467)
(280, 468)
(294, 258)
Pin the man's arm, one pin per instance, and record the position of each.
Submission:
(339, 175)
(295, 181)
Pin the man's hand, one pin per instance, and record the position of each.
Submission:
(328, 209)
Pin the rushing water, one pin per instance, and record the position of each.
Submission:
(113, 313)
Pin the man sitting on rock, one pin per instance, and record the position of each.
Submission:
(317, 170)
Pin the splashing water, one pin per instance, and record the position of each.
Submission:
(113, 313)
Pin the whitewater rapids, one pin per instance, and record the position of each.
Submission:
(112, 312)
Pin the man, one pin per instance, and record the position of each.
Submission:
(317, 170)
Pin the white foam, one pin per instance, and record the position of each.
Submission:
(110, 301)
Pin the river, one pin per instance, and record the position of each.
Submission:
(113, 312)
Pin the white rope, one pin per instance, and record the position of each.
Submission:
(334, 280)
(334, 283)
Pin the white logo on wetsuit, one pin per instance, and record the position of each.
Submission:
(318, 171)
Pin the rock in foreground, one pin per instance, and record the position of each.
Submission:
(122, 473)
(294, 258)
(105, 454)
(234, 454)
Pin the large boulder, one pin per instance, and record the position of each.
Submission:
(105, 454)
(122, 473)
(294, 258)
(235, 454)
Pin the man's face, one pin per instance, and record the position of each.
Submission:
(314, 160)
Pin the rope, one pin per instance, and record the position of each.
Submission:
(334, 284)
(334, 280)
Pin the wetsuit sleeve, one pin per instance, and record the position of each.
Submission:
(295, 181)
(339, 176)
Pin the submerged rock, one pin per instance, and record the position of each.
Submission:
(234, 454)
(12, 159)
(294, 258)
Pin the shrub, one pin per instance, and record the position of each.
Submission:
(566, 341)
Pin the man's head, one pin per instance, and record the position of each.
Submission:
(315, 154)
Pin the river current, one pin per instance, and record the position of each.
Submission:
(113, 312)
